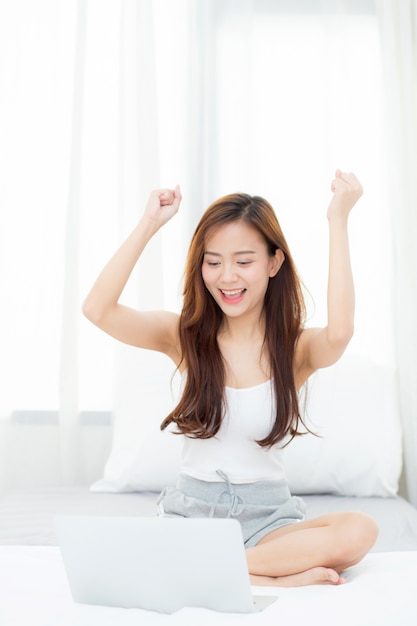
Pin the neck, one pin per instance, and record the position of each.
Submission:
(242, 329)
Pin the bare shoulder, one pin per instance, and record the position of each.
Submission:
(314, 351)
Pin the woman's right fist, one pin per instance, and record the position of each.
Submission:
(162, 205)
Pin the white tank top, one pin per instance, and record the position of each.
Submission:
(249, 416)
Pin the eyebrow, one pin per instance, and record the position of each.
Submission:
(234, 253)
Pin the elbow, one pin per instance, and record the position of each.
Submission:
(91, 311)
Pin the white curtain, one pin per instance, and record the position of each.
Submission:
(129, 129)
(103, 100)
(398, 28)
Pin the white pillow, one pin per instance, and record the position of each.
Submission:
(352, 405)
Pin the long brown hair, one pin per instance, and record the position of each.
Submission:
(200, 410)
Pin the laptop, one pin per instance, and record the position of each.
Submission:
(157, 564)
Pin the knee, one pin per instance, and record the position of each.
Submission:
(358, 532)
(365, 530)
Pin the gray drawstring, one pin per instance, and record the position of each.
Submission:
(235, 499)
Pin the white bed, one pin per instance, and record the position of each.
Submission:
(380, 590)
(34, 589)
(355, 465)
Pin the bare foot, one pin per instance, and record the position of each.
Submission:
(314, 576)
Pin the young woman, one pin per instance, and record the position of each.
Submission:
(244, 353)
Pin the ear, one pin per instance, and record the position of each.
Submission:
(275, 262)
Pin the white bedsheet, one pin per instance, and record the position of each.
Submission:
(380, 591)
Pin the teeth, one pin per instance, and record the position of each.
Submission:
(232, 292)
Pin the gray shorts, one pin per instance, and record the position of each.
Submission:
(260, 507)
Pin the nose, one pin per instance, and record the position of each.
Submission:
(229, 274)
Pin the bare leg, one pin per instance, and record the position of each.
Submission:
(311, 552)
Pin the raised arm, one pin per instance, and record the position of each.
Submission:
(151, 330)
(321, 347)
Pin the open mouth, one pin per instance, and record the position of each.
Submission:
(232, 295)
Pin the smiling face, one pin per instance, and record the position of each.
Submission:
(237, 267)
